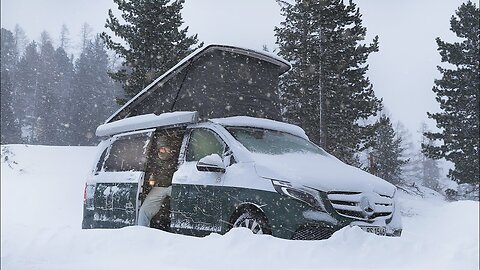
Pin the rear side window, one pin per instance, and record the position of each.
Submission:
(203, 143)
(128, 153)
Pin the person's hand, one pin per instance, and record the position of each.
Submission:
(151, 180)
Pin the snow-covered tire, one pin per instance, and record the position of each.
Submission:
(253, 221)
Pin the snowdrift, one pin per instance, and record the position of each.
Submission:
(41, 213)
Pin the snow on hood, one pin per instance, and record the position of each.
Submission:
(321, 172)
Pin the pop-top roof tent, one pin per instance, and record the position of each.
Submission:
(216, 81)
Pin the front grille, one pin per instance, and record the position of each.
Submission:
(361, 206)
(312, 233)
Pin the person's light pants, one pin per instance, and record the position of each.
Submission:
(152, 204)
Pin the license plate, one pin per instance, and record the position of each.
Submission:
(375, 230)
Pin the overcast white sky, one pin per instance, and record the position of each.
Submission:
(402, 71)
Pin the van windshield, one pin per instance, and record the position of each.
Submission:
(272, 142)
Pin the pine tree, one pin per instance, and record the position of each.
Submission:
(458, 94)
(27, 76)
(10, 129)
(93, 99)
(430, 169)
(421, 169)
(42, 83)
(327, 91)
(387, 152)
(64, 37)
(9, 51)
(153, 38)
(21, 40)
(44, 100)
(85, 35)
(431, 173)
(62, 87)
(411, 168)
(54, 75)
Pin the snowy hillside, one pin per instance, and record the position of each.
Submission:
(41, 214)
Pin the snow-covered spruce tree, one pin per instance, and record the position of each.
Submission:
(9, 51)
(430, 169)
(154, 41)
(411, 169)
(46, 101)
(431, 173)
(327, 91)
(422, 169)
(62, 88)
(54, 78)
(64, 38)
(26, 88)
(10, 128)
(92, 99)
(387, 152)
(458, 94)
(85, 36)
(21, 40)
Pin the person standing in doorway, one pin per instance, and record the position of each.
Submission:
(160, 179)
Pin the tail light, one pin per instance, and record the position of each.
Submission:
(88, 195)
(85, 194)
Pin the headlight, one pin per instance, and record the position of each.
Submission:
(303, 194)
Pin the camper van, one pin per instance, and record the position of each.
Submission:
(232, 162)
(240, 171)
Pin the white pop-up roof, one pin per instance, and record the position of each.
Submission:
(146, 121)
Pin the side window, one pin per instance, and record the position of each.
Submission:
(128, 153)
(203, 143)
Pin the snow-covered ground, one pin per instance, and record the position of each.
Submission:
(41, 213)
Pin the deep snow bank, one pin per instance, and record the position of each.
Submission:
(42, 193)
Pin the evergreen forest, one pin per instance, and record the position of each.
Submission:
(51, 96)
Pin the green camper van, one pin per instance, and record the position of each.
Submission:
(236, 163)
(234, 172)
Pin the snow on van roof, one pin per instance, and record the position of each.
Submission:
(146, 121)
(247, 121)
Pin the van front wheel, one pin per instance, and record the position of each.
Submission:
(252, 221)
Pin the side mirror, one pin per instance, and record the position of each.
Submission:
(211, 163)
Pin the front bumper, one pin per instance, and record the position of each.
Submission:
(310, 224)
